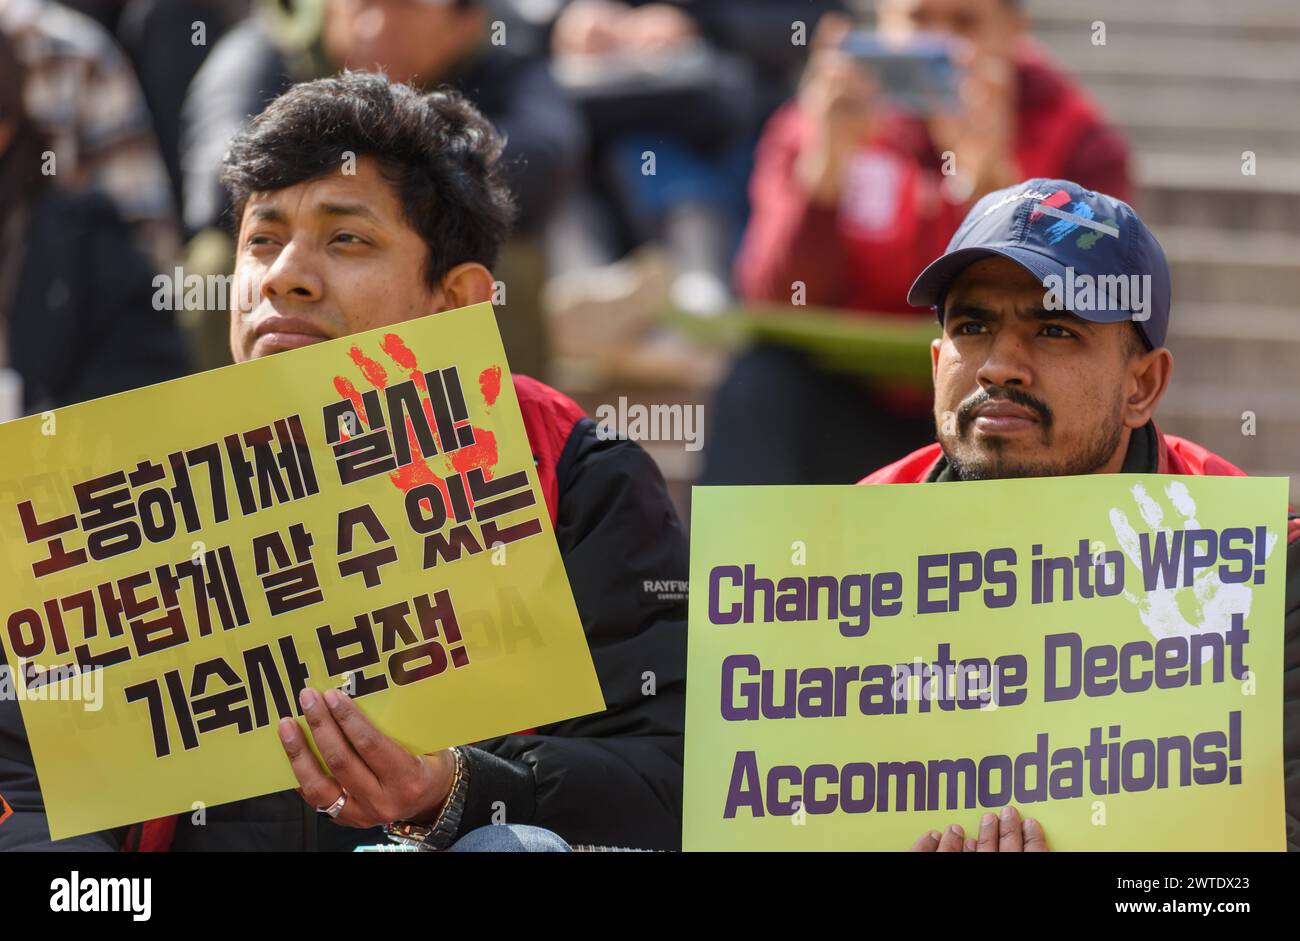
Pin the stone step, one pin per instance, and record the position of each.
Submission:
(1210, 265)
(1235, 380)
(1269, 451)
(1223, 389)
(1274, 20)
(1143, 54)
(1207, 140)
(1229, 401)
(1243, 108)
(1209, 190)
(1252, 384)
(1243, 283)
(1198, 321)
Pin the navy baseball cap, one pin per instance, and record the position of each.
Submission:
(1090, 249)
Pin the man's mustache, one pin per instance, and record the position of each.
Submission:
(986, 394)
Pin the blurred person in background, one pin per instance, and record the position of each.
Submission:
(75, 315)
(108, 13)
(674, 94)
(82, 92)
(427, 43)
(167, 41)
(850, 201)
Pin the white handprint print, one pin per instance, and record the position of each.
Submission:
(1212, 603)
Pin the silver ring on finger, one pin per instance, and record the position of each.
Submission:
(335, 808)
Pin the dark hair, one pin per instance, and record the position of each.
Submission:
(438, 152)
(1135, 341)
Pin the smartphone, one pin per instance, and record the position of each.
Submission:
(918, 75)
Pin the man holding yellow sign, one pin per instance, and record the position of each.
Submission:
(446, 616)
(1107, 647)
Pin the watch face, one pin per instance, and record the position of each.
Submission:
(408, 833)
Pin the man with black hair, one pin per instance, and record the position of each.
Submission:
(322, 253)
(496, 64)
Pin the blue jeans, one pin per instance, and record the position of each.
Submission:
(509, 838)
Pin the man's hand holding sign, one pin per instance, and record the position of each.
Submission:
(1005, 832)
(370, 779)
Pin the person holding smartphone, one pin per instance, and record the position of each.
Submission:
(855, 190)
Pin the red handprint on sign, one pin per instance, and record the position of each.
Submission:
(451, 457)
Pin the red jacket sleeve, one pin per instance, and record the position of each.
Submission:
(789, 237)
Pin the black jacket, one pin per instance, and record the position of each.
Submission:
(612, 778)
(83, 324)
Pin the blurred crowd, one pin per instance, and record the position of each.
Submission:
(698, 155)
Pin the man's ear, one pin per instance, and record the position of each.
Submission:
(1148, 379)
(466, 284)
(935, 345)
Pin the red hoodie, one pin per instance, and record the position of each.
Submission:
(892, 219)
(1174, 456)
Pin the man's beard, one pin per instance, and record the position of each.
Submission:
(1095, 453)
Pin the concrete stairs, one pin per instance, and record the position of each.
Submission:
(1194, 84)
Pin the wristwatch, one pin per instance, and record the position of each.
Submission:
(439, 834)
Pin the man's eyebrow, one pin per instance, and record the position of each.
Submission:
(346, 209)
(980, 314)
(1069, 317)
(266, 214)
(971, 312)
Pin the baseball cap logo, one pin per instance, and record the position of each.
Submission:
(1055, 201)
(1080, 213)
(1013, 197)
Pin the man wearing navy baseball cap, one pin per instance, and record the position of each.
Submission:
(1054, 302)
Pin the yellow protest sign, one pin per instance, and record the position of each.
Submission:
(362, 513)
(869, 663)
